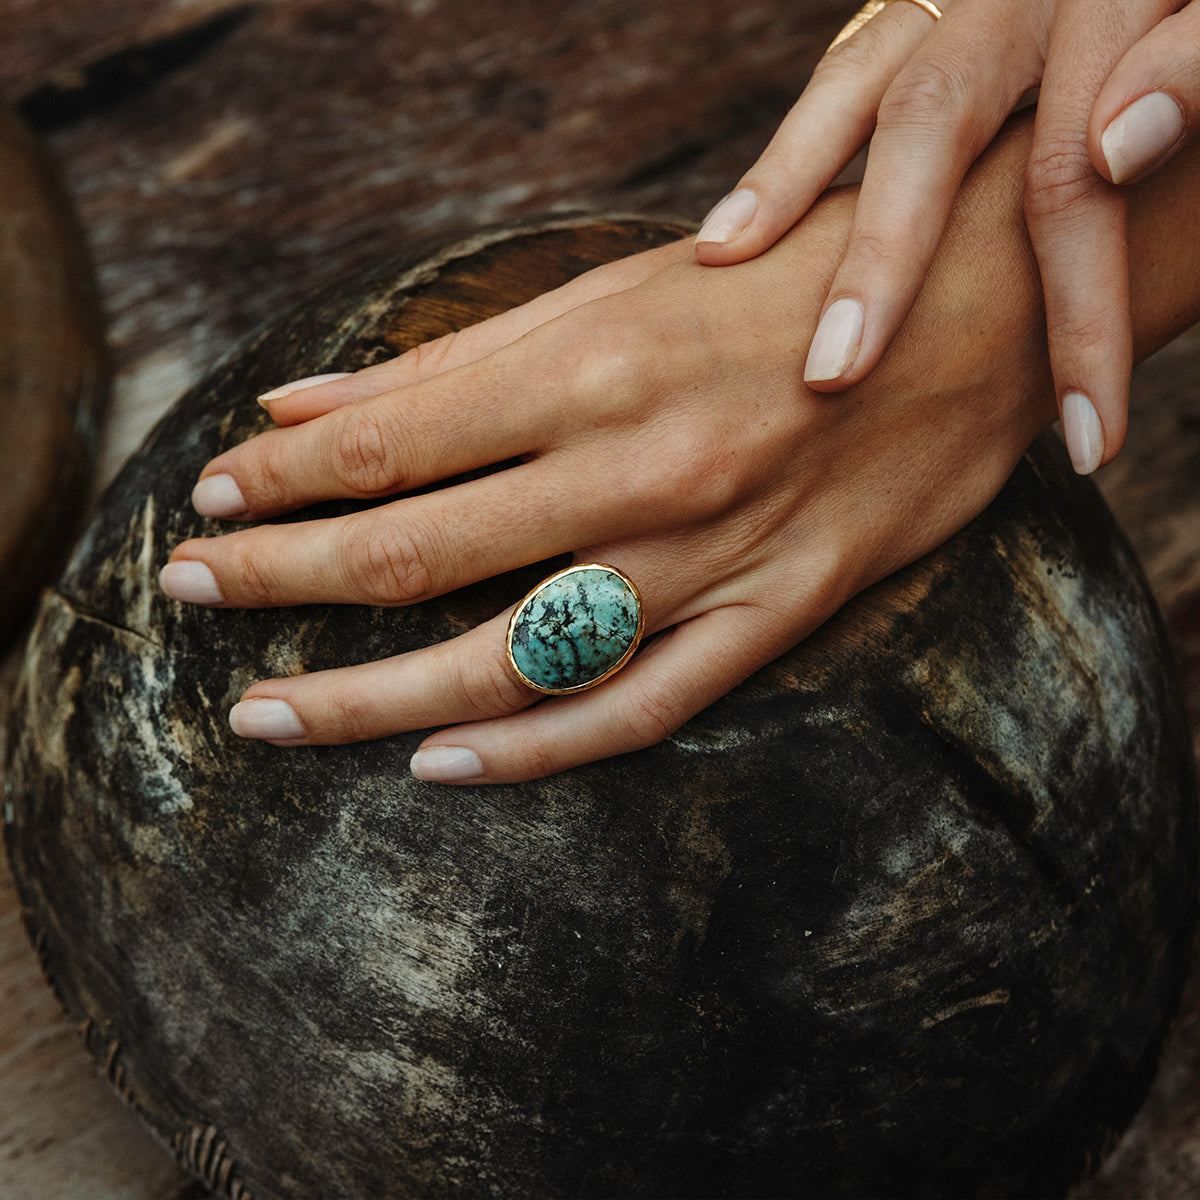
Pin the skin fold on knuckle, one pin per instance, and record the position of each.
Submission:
(928, 97)
(390, 563)
(651, 712)
(1085, 331)
(344, 714)
(845, 66)
(1058, 177)
(429, 358)
(246, 562)
(366, 454)
(489, 689)
(874, 253)
(531, 759)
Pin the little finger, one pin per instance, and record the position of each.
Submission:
(672, 679)
(465, 679)
(468, 678)
(1077, 226)
(304, 399)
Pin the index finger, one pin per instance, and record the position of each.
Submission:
(825, 128)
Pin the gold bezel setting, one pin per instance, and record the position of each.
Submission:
(522, 607)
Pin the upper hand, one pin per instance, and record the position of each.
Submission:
(1120, 87)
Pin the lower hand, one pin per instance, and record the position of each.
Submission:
(660, 423)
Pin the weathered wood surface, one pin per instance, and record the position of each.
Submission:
(226, 159)
(53, 373)
(313, 136)
(765, 957)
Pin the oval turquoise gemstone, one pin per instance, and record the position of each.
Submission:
(574, 628)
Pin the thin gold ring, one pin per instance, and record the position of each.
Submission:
(873, 8)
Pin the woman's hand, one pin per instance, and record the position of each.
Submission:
(662, 426)
(1120, 89)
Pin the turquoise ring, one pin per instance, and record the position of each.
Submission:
(575, 629)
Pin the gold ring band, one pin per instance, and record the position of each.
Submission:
(873, 8)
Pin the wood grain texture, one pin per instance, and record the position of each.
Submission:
(939, 859)
(53, 373)
(322, 135)
(235, 181)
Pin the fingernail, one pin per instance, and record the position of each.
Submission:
(270, 720)
(1142, 134)
(446, 764)
(190, 581)
(836, 342)
(298, 385)
(731, 217)
(218, 496)
(1083, 433)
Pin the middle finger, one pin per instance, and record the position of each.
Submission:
(411, 549)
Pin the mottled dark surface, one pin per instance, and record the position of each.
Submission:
(52, 373)
(904, 914)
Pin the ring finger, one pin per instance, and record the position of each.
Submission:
(466, 679)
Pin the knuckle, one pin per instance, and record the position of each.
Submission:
(872, 250)
(1057, 177)
(391, 564)
(262, 469)
(925, 94)
(254, 576)
(614, 370)
(490, 690)
(364, 453)
(351, 715)
(539, 760)
(1084, 331)
(654, 711)
(601, 368)
(853, 58)
(692, 476)
(429, 357)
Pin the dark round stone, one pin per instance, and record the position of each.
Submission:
(905, 914)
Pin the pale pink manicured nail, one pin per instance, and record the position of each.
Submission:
(730, 219)
(269, 720)
(1082, 432)
(446, 764)
(836, 342)
(218, 496)
(190, 581)
(1136, 138)
(298, 385)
